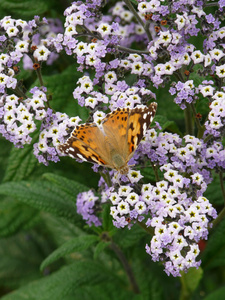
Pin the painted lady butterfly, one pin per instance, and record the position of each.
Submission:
(113, 142)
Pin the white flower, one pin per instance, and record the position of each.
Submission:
(220, 71)
(132, 198)
(126, 15)
(81, 48)
(104, 29)
(41, 53)
(123, 208)
(140, 207)
(91, 101)
(110, 77)
(207, 90)
(216, 54)
(12, 31)
(208, 60)
(165, 37)
(180, 21)
(70, 30)
(197, 56)
(137, 68)
(22, 46)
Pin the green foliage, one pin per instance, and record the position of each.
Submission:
(73, 245)
(60, 285)
(45, 196)
(21, 164)
(24, 8)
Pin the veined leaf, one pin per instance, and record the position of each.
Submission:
(63, 282)
(77, 244)
(43, 196)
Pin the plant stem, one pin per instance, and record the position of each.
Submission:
(188, 120)
(219, 218)
(128, 50)
(140, 21)
(184, 295)
(149, 230)
(222, 186)
(38, 72)
(155, 172)
(201, 128)
(126, 266)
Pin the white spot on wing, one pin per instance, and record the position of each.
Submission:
(81, 157)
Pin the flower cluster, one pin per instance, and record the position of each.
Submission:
(17, 116)
(87, 204)
(123, 55)
(53, 130)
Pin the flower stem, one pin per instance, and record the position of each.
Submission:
(140, 21)
(126, 266)
(222, 186)
(188, 120)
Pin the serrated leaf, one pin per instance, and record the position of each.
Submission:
(15, 216)
(74, 245)
(43, 196)
(63, 282)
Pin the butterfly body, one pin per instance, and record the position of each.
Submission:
(112, 144)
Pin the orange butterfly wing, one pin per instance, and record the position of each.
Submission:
(86, 143)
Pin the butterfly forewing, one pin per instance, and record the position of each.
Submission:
(86, 143)
(139, 121)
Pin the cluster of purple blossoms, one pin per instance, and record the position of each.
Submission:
(87, 204)
(175, 208)
(180, 216)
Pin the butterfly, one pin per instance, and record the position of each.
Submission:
(114, 141)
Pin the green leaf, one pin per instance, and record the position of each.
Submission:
(74, 245)
(107, 223)
(213, 192)
(69, 186)
(190, 280)
(22, 162)
(23, 8)
(43, 196)
(21, 256)
(63, 282)
(214, 253)
(99, 248)
(62, 86)
(15, 216)
(167, 125)
(218, 294)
